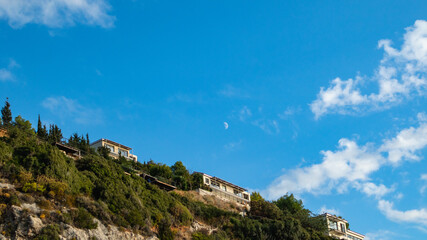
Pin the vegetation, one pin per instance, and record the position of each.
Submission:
(97, 186)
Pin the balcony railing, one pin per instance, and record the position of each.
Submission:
(229, 194)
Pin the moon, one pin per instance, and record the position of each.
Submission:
(225, 125)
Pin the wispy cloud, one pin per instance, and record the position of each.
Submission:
(289, 112)
(383, 235)
(269, 126)
(401, 74)
(417, 216)
(6, 73)
(56, 13)
(232, 145)
(231, 91)
(351, 165)
(69, 109)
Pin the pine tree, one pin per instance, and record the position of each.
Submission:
(6, 114)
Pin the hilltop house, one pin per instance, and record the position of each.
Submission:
(338, 228)
(225, 190)
(116, 149)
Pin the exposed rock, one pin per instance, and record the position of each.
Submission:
(198, 226)
(23, 223)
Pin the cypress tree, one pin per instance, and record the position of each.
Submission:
(6, 114)
(41, 130)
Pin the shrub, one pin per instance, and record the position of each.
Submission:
(50, 232)
(83, 219)
(165, 231)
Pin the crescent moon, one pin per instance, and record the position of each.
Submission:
(225, 125)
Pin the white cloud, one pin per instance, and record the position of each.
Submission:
(416, 216)
(405, 145)
(371, 189)
(56, 13)
(333, 211)
(6, 73)
(351, 166)
(401, 74)
(66, 108)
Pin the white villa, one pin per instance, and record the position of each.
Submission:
(116, 149)
(226, 190)
(337, 228)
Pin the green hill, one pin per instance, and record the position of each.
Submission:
(97, 186)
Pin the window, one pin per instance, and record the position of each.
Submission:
(207, 181)
(224, 187)
(109, 147)
(246, 196)
(123, 153)
(342, 226)
(333, 225)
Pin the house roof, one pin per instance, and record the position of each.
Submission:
(155, 181)
(219, 180)
(112, 142)
(328, 215)
(67, 148)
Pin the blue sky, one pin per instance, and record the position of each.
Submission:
(323, 99)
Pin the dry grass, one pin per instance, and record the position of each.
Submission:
(212, 200)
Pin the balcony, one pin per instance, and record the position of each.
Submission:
(228, 195)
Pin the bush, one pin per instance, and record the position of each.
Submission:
(83, 219)
(165, 231)
(50, 232)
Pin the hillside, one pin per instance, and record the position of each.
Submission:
(47, 195)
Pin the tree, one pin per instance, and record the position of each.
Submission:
(181, 177)
(6, 113)
(55, 134)
(41, 130)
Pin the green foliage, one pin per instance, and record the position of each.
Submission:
(83, 219)
(98, 186)
(80, 142)
(180, 214)
(181, 178)
(33, 187)
(165, 232)
(55, 134)
(41, 130)
(50, 232)
(255, 196)
(6, 113)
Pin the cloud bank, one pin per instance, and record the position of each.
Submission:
(351, 165)
(401, 74)
(56, 13)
